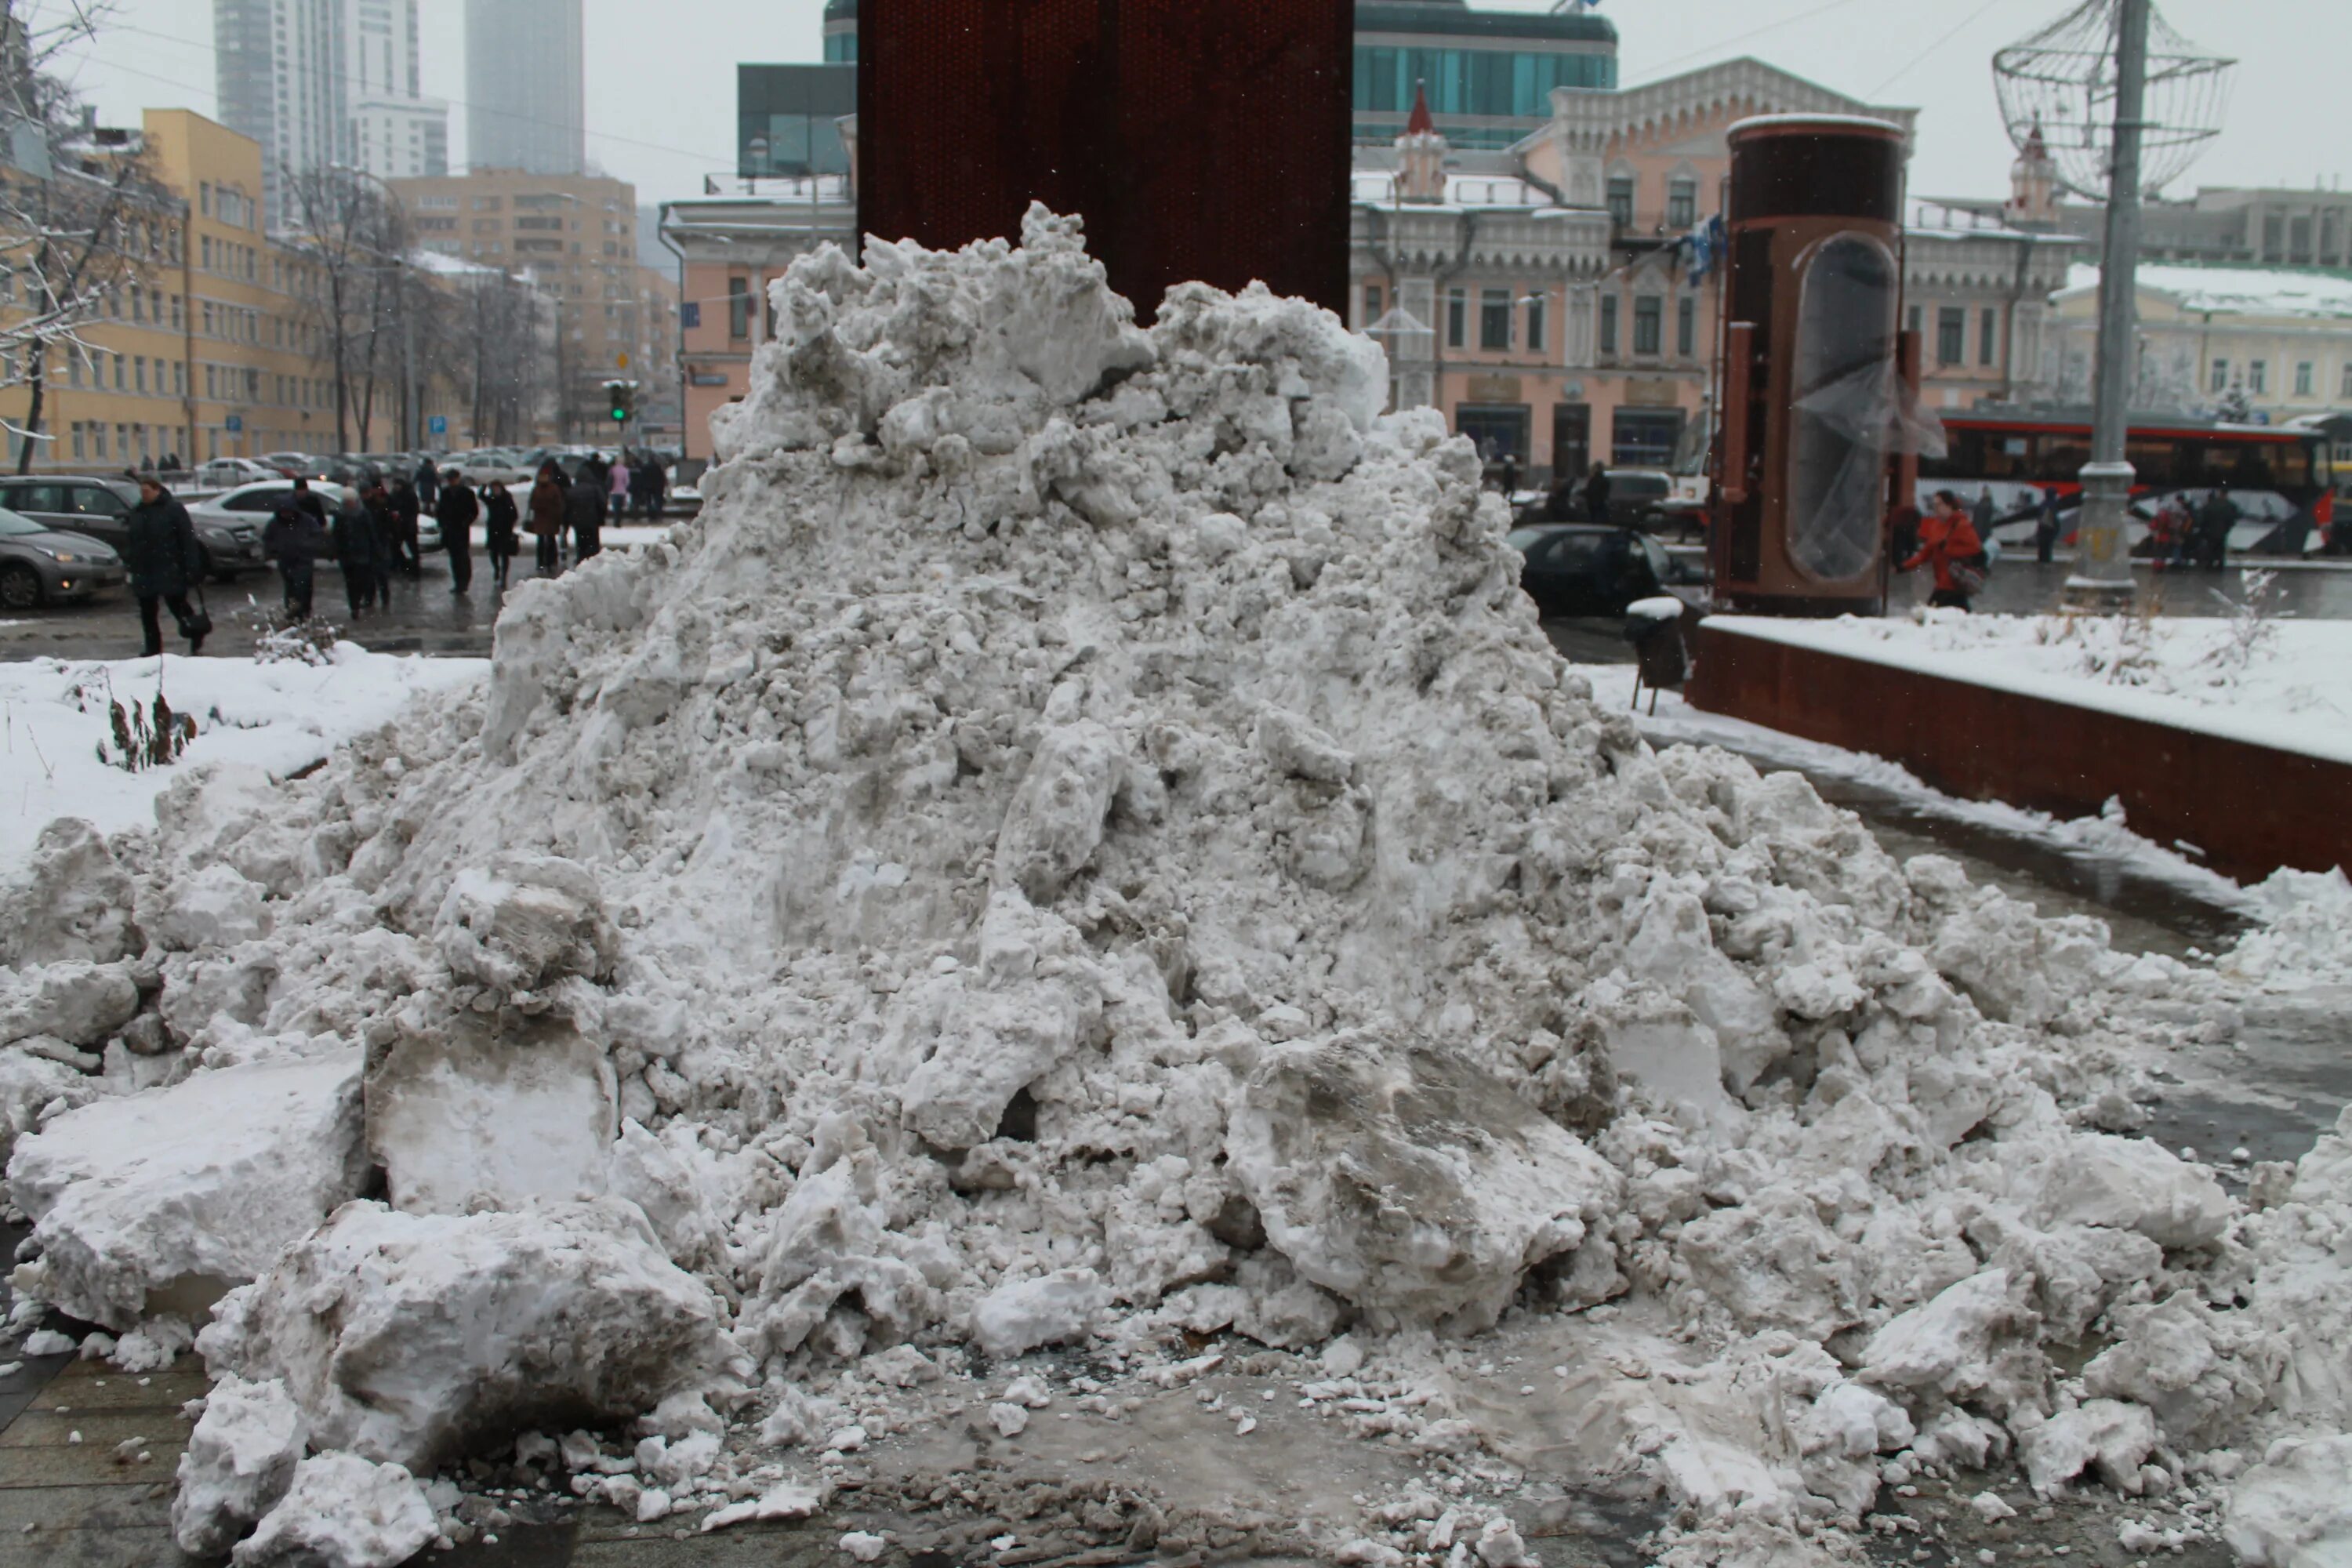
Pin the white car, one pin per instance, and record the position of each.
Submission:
(228, 473)
(246, 510)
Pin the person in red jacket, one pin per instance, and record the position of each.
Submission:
(1948, 543)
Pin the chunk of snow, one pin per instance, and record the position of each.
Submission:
(196, 1187)
(343, 1511)
(418, 1338)
(238, 1463)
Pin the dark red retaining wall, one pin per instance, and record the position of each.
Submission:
(2252, 809)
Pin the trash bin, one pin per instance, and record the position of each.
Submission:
(1654, 627)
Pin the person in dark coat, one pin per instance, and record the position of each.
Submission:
(406, 510)
(428, 486)
(547, 509)
(642, 477)
(456, 512)
(164, 561)
(1596, 495)
(2215, 518)
(500, 516)
(358, 550)
(294, 539)
(583, 510)
(2046, 528)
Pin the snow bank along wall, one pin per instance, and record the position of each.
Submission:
(1085, 844)
(2250, 809)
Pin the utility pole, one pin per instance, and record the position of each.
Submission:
(2102, 578)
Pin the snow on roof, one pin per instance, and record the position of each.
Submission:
(1948, 220)
(1461, 190)
(2239, 290)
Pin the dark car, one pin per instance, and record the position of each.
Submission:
(1582, 569)
(101, 508)
(40, 565)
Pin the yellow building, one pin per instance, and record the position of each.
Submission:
(203, 351)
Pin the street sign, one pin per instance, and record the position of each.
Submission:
(236, 424)
(438, 424)
(624, 361)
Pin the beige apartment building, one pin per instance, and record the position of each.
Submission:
(205, 350)
(573, 236)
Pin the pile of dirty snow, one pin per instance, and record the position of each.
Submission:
(1084, 847)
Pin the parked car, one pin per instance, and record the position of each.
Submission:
(42, 566)
(229, 525)
(228, 473)
(1638, 498)
(684, 498)
(1584, 569)
(293, 465)
(101, 510)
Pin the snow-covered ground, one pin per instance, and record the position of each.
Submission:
(280, 717)
(1080, 881)
(2268, 681)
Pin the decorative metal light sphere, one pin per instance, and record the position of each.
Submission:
(2062, 82)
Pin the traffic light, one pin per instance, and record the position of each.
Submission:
(621, 396)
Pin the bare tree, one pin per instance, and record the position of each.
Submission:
(79, 217)
(356, 240)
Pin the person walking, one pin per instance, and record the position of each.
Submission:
(1948, 543)
(584, 509)
(2046, 528)
(294, 539)
(1982, 514)
(616, 489)
(1596, 495)
(428, 481)
(2215, 518)
(547, 510)
(456, 512)
(500, 516)
(657, 489)
(401, 502)
(641, 480)
(358, 550)
(164, 561)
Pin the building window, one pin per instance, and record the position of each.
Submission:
(1609, 323)
(1495, 318)
(1457, 317)
(1951, 334)
(1621, 200)
(1687, 326)
(2219, 380)
(2304, 375)
(1649, 324)
(139, 372)
(2345, 390)
(1372, 303)
(1536, 324)
(1988, 336)
(1914, 323)
(738, 307)
(80, 442)
(1681, 204)
(2258, 377)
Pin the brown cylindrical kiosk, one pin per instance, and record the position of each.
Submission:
(1813, 366)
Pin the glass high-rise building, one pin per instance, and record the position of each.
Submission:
(320, 83)
(526, 78)
(1490, 74)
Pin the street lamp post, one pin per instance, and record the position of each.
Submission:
(2102, 578)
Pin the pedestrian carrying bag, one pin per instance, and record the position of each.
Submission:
(1967, 574)
(200, 625)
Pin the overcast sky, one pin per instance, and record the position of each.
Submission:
(661, 82)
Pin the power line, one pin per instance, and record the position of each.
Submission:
(1722, 44)
(1921, 57)
(347, 81)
